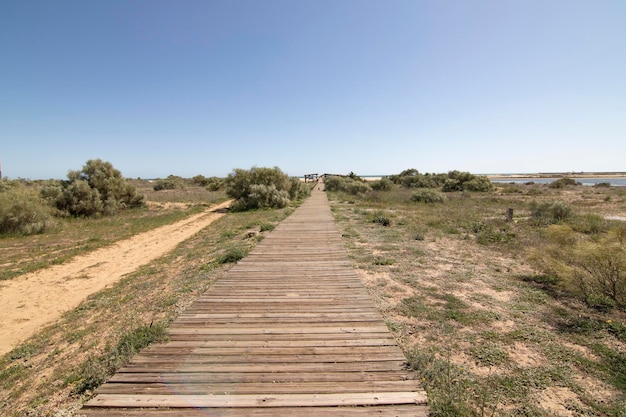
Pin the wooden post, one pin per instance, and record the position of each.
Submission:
(509, 215)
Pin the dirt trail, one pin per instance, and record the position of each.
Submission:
(33, 300)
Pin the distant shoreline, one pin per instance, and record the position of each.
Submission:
(589, 174)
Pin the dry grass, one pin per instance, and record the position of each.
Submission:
(486, 332)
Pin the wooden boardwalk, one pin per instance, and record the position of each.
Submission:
(289, 331)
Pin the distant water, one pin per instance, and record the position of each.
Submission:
(616, 182)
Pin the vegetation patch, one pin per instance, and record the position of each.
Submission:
(259, 188)
(499, 317)
(97, 369)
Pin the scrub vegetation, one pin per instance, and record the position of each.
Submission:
(259, 188)
(56, 370)
(521, 316)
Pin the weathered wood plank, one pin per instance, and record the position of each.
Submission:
(237, 387)
(249, 400)
(371, 366)
(260, 377)
(392, 410)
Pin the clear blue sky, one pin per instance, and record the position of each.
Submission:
(202, 87)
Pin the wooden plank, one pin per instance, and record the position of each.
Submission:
(281, 330)
(393, 410)
(260, 377)
(268, 350)
(237, 387)
(206, 358)
(337, 342)
(371, 366)
(250, 400)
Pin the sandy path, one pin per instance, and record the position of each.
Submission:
(33, 300)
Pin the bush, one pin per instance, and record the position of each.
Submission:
(262, 196)
(200, 180)
(357, 188)
(380, 217)
(384, 184)
(428, 196)
(263, 188)
(334, 183)
(563, 182)
(412, 178)
(22, 211)
(97, 189)
(550, 212)
(215, 183)
(79, 199)
(590, 224)
(464, 181)
(592, 267)
(298, 190)
(212, 183)
(165, 185)
(353, 186)
(490, 232)
(600, 269)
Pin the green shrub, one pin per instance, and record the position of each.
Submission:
(464, 181)
(200, 180)
(161, 185)
(563, 182)
(591, 224)
(600, 269)
(79, 199)
(262, 196)
(412, 178)
(212, 183)
(428, 196)
(488, 232)
(334, 183)
(97, 189)
(263, 188)
(384, 184)
(357, 187)
(592, 267)
(346, 184)
(298, 189)
(22, 211)
(550, 212)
